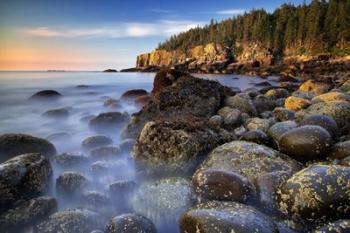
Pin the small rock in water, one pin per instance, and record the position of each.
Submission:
(127, 144)
(59, 137)
(112, 103)
(132, 94)
(71, 183)
(108, 122)
(56, 113)
(69, 160)
(105, 153)
(130, 223)
(95, 142)
(46, 95)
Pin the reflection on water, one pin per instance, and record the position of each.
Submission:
(84, 94)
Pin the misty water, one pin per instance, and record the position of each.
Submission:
(19, 115)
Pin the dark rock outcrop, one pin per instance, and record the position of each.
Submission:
(46, 95)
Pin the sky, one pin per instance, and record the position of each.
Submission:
(96, 35)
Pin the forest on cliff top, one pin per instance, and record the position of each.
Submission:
(307, 29)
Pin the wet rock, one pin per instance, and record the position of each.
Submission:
(216, 120)
(127, 144)
(132, 94)
(105, 153)
(23, 177)
(258, 124)
(266, 188)
(221, 185)
(225, 217)
(87, 118)
(345, 161)
(340, 150)
(130, 223)
(242, 102)
(112, 103)
(69, 160)
(276, 131)
(95, 201)
(71, 183)
(324, 121)
(262, 84)
(280, 102)
(105, 167)
(248, 159)
(277, 93)
(239, 131)
(256, 136)
(179, 95)
(331, 96)
(174, 196)
(142, 100)
(224, 111)
(56, 113)
(263, 103)
(121, 187)
(46, 95)
(317, 88)
(283, 114)
(109, 121)
(16, 144)
(69, 221)
(177, 145)
(233, 118)
(304, 95)
(338, 110)
(296, 103)
(59, 137)
(82, 86)
(95, 141)
(27, 212)
(340, 226)
(305, 143)
(316, 192)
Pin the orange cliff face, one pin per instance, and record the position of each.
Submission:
(209, 53)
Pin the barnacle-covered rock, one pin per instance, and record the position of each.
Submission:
(130, 223)
(316, 192)
(340, 226)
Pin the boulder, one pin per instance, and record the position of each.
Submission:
(105, 153)
(278, 129)
(324, 121)
(221, 185)
(27, 212)
(258, 124)
(22, 177)
(338, 110)
(96, 141)
(179, 95)
(178, 144)
(217, 216)
(142, 100)
(71, 183)
(233, 118)
(95, 201)
(296, 103)
(58, 113)
(112, 103)
(69, 221)
(16, 144)
(46, 95)
(248, 159)
(127, 144)
(340, 150)
(331, 96)
(216, 120)
(133, 94)
(277, 93)
(242, 102)
(69, 160)
(263, 103)
(256, 136)
(283, 114)
(316, 192)
(59, 137)
(315, 87)
(130, 223)
(305, 143)
(109, 121)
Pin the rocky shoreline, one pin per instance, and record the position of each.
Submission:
(265, 159)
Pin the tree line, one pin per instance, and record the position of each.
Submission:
(319, 27)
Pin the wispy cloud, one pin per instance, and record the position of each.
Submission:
(231, 12)
(158, 28)
(160, 10)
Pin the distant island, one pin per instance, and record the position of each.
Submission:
(292, 40)
(110, 70)
(56, 71)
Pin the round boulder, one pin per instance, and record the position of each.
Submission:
(221, 185)
(56, 113)
(217, 216)
(340, 226)
(130, 223)
(68, 160)
(317, 88)
(110, 121)
(71, 183)
(278, 129)
(340, 150)
(95, 142)
(296, 103)
(324, 121)
(132, 94)
(16, 144)
(331, 96)
(256, 136)
(306, 143)
(46, 95)
(316, 192)
(23, 177)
